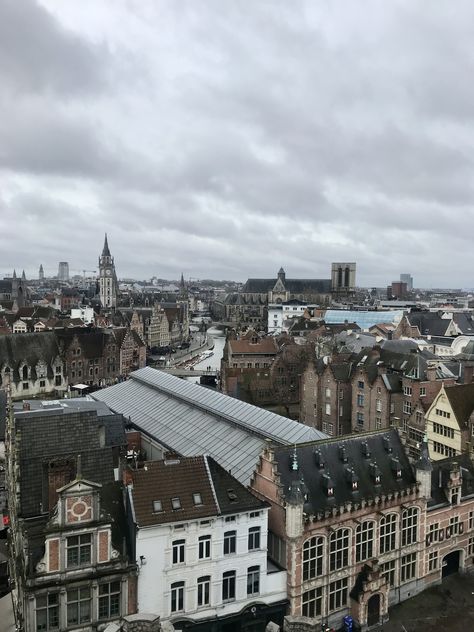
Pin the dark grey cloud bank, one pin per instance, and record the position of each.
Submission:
(226, 139)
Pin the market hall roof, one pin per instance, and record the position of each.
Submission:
(190, 420)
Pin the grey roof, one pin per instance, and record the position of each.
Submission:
(365, 320)
(192, 420)
(337, 463)
(319, 286)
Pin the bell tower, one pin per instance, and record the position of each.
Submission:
(108, 286)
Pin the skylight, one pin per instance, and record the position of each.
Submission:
(197, 498)
(176, 503)
(157, 507)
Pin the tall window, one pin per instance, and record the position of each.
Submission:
(109, 600)
(364, 541)
(177, 597)
(388, 571)
(204, 547)
(432, 561)
(204, 590)
(228, 586)
(78, 605)
(230, 539)
(47, 612)
(178, 551)
(360, 400)
(253, 580)
(339, 549)
(254, 538)
(408, 567)
(388, 530)
(312, 603)
(337, 594)
(78, 550)
(313, 551)
(409, 526)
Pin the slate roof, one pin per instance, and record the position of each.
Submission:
(297, 286)
(51, 434)
(189, 419)
(440, 476)
(312, 479)
(180, 478)
(461, 398)
(428, 323)
(30, 348)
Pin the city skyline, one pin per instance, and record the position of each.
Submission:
(227, 144)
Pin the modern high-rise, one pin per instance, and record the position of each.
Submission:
(108, 286)
(63, 271)
(408, 279)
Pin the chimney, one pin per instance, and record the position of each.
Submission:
(431, 371)
(468, 377)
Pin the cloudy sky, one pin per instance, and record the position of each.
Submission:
(226, 138)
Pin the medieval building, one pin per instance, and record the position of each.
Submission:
(108, 285)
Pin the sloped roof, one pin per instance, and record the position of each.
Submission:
(429, 323)
(311, 478)
(265, 346)
(461, 398)
(28, 347)
(320, 286)
(180, 478)
(190, 420)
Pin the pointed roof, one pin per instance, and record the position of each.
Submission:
(23, 276)
(106, 251)
(424, 462)
(14, 274)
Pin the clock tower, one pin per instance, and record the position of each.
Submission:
(108, 286)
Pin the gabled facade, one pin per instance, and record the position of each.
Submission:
(450, 421)
(201, 542)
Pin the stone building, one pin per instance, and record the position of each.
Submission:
(70, 565)
(347, 522)
(108, 284)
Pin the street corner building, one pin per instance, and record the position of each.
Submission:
(359, 529)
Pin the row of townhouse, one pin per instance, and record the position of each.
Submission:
(373, 389)
(37, 364)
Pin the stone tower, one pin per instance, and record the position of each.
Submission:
(108, 286)
(41, 273)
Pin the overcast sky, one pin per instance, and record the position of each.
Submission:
(226, 138)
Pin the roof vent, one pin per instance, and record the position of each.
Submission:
(375, 473)
(365, 449)
(319, 459)
(231, 495)
(387, 445)
(328, 485)
(343, 453)
(396, 467)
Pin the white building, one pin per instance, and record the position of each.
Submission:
(86, 314)
(281, 314)
(201, 547)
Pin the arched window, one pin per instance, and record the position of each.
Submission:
(388, 530)
(364, 541)
(409, 526)
(339, 549)
(313, 552)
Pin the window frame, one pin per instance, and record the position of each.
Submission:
(254, 538)
(312, 602)
(111, 598)
(313, 557)
(78, 602)
(73, 550)
(253, 581)
(409, 526)
(177, 597)
(228, 586)
(339, 542)
(204, 547)
(338, 594)
(388, 533)
(203, 591)
(365, 540)
(49, 610)
(230, 542)
(178, 552)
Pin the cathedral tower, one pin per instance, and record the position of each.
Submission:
(108, 286)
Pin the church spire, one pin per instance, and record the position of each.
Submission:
(106, 251)
(14, 274)
(23, 276)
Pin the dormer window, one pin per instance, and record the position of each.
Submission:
(197, 498)
(330, 491)
(365, 449)
(387, 445)
(176, 503)
(318, 457)
(231, 495)
(343, 454)
(355, 485)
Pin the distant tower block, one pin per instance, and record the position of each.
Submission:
(343, 277)
(63, 271)
(41, 273)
